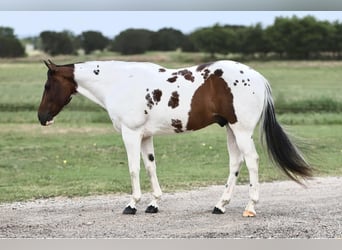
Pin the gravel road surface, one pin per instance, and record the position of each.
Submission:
(285, 210)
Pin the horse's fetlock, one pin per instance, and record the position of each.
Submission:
(157, 195)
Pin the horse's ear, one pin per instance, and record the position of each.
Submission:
(46, 63)
(50, 65)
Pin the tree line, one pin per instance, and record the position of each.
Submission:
(286, 38)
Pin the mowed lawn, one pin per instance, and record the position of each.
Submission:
(82, 155)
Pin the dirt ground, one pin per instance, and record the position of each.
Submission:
(285, 210)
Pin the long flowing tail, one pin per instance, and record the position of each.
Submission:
(280, 149)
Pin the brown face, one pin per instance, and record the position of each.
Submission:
(59, 87)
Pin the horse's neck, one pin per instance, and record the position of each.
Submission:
(88, 85)
(86, 93)
(97, 78)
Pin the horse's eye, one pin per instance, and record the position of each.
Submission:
(47, 86)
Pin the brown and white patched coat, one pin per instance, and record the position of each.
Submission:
(145, 99)
(163, 100)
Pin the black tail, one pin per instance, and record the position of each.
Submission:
(280, 149)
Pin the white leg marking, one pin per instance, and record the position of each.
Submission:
(147, 151)
(247, 147)
(235, 161)
(132, 140)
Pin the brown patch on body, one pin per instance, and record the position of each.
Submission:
(218, 72)
(187, 74)
(211, 103)
(177, 124)
(172, 79)
(149, 100)
(189, 77)
(157, 93)
(205, 74)
(174, 100)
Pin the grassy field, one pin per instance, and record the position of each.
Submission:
(81, 155)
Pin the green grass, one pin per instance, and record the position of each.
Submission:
(293, 81)
(70, 161)
(81, 155)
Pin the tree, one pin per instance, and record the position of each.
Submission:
(300, 38)
(56, 43)
(7, 32)
(313, 39)
(188, 45)
(10, 46)
(93, 40)
(277, 35)
(252, 40)
(336, 40)
(167, 39)
(132, 41)
(216, 39)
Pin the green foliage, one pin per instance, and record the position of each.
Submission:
(93, 40)
(57, 43)
(300, 38)
(252, 40)
(336, 40)
(10, 46)
(216, 39)
(167, 39)
(132, 41)
(287, 38)
(6, 32)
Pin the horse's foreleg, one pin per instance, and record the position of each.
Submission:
(235, 161)
(132, 140)
(147, 151)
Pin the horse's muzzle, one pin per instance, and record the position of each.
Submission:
(45, 119)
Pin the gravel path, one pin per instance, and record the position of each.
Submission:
(285, 210)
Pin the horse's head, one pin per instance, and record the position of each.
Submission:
(59, 88)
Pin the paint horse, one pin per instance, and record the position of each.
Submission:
(145, 99)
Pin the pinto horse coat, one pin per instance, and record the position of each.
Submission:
(145, 99)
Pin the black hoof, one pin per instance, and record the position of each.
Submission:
(129, 210)
(217, 211)
(151, 210)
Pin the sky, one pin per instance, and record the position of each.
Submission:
(111, 23)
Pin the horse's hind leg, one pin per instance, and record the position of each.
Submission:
(235, 161)
(147, 151)
(246, 145)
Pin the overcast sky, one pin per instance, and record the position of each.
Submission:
(111, 23)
